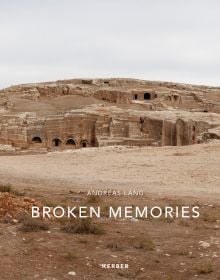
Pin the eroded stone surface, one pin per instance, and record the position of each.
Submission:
(78, 113)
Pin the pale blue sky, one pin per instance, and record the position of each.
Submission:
(172, 40)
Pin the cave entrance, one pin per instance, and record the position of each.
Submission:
(70, 142)
(84, 143)
(147, 96)
(36, 140)
(135, 97)
(57, 142)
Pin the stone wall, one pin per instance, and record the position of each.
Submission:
(73, 130)
(90, 128)
(68, 131)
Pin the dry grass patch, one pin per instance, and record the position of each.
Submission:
(145, 244)
(70, 256)
(114, 246)
(83, 226)
(33, 225)
(184, 223)
(5, 188)
(183, 253)
(83, 241)
(204, 268)
(94, 199)
(165, 219)
(179, 154)
(9, 189)
(211, 215)
(127, 275)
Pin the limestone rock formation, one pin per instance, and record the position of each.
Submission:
(78, 113)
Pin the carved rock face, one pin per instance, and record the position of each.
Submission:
(83, 113)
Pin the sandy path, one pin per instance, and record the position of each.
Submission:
(182, 171)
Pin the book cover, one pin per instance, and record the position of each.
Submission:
(109, 140)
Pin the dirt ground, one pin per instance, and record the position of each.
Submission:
(177, 171)
(170, 249)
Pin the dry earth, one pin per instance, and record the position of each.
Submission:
(154, 248)
(180, 171)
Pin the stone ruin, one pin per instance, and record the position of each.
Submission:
(79, 113)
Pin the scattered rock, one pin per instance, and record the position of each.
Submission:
(204, 244)
(72, 273)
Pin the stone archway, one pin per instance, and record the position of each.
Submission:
(84, 143)
(36, 140)
(56, 142)
(70, 142)
(147, 96)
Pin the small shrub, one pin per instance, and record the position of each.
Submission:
(114, 246)
(204, 268)
(164, 219)
(33, 225)
(183, 253)
(211, 217)
(7, 220)
(145, 244)
(70, 256)
(182, 154)
(83, 241)
(169, 220)
(5, 188)
(83, 226)
(94, 199)
(17, 193)
(183, 223)
(127, 275)
(50, 203)
(8, 188)
(63, 221)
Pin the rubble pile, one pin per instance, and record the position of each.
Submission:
(11, 206)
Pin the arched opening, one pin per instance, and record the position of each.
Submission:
(147, 96)
(84, 143)
(70, 142)
(180, 133)
(193, 134)
(141, 124)
(57, 142)
(36, 140)
(135, 97)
